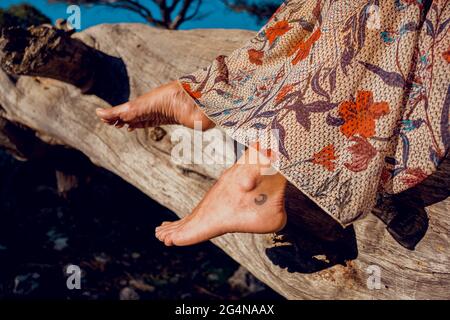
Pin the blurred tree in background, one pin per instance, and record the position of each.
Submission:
(262, 10)
(170, 14)
(22, 15)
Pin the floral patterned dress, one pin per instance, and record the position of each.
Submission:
(357, 92)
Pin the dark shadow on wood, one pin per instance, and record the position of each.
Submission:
(404, 214)
(110, 80)
(45, 51)
(313, 240)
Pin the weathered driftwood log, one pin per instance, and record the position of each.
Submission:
(313, 257)
(47, 52)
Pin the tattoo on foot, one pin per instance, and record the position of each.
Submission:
(261, 199)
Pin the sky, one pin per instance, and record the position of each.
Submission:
(216, 15)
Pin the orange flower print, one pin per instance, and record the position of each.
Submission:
(303, 48)
(360, 115)
(446, 55)
(325, 157)
(277, 30)
(255, 56)
(283, 92)
(194, 94)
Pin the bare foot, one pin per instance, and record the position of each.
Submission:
(167, 104)
(242, 200)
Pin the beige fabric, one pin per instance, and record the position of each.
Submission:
(358, 92)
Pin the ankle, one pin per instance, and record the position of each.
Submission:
(187, 112)
(257, 160)
(250, 170)
(248, 176)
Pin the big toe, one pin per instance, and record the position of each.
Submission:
(166, 237)
(111, 114)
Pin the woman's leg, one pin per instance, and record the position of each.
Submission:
(242, 200)
(167, 104)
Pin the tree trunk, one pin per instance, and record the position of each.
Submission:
(405, 242)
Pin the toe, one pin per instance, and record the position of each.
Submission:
(176, 239)
(165, 225)
(185, 237)
(158, 236)
(112, 114)
(170, 224)
(164, 236)
(168, 240)
(169, 228)
(164, 228)
(160, 232)
(106, 115)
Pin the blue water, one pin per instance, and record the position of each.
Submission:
(215, 15)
